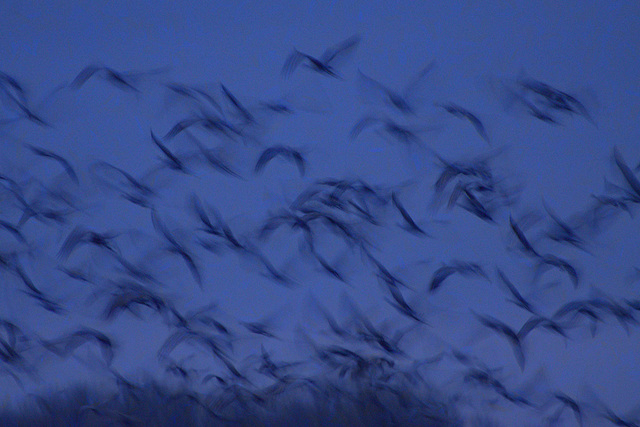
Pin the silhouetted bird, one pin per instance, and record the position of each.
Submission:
(287, 153)
(324, 64)
(403, 102)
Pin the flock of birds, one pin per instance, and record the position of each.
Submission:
(328, 213)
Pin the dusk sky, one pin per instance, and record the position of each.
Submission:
(474, 76)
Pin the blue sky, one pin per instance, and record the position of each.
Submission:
(589, 50)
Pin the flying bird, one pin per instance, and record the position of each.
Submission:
(566, 402)
(514, 339)
(562, 231)
(195, 94)
(400, 101)
(402, 133)
(463, 113)
(10, 84)
(528, 248)
(519, 300)
(206, 120)
(79, 235)
(122, 80)
(331, 270)
(50, 154)
(470, 202)
(411, 225)
(628, 174)
(209, 227)
(130, 295)
(247, 116)
(209, 342)
(14, 230)
(464, 268)
(213, 159)
(402, 306)
(285, 152)
(135, 190)
(554, 98)
(16, 95)
(67, 344)
(322, 65)
(176, 248)
(172, 161)
(485, 377)
(561, 264)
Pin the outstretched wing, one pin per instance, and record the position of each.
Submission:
(292, 63)
(340, 50)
